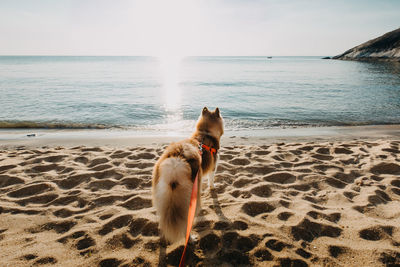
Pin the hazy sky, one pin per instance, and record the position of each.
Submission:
(191, 27)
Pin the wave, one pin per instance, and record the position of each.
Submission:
(239, 124)
(50, 125)
(187, 125)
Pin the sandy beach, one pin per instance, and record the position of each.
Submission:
(298, 200)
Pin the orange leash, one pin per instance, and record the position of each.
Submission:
(193, 203)
(192, 211)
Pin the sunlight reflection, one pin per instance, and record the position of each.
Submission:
(170, 70)
(169, 66)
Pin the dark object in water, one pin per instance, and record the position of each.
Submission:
(326, 58)
(31, 135)
(269, 57)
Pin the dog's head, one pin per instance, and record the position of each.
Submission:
(211, 122)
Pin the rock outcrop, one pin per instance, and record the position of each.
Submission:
(385, 47)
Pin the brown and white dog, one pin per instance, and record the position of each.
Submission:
(176, 170)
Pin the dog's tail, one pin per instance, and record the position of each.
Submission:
(171, 197)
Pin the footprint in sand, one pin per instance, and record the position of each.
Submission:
(63, 213)
(262, 152)
(262, 190)
(145, 155)
(123, 241)
(322, 157)
(120, 154)
(253, 208)
(233, 240)
(390, 258)
(240, 225)
(43, 168)
(137, 203)
(82, 160)
(54, 159)
(173, 257)
(284, 216)
(203, 225)
(241, 182)
(222, 225)
(350, 195)
(396, 191)
(333, 217)
(92, 149)
(29, 257)
(7, 180)
(376, 233)
(210, 243)
(85, 243)
(116, 223)
(336, 251)
(342, 150)
(240, 161)
(292, 262)
(101, 184)
(301, 252)
(280, 178)
(379, 197)
(7, 167)
(263, 255)
(108, 174)
(386, 168)
(39, 199)
(308, 230)
(335, 183)
(131, 182)
(102, 167)
(74, 180)
(111, 262)
(323, 150)
(276, 245)
(395, 183)
(98, 161)
(30, 190)
(59, 227)
(46, 260)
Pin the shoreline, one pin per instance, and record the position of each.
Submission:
(125, 138)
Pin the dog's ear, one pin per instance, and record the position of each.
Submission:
(205, 111)
(216, 112)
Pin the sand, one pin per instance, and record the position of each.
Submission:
(324, 202)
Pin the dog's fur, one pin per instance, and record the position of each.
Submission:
(176, 170)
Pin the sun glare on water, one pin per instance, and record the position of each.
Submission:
(170, 28)
(170, 69)
(170, 73)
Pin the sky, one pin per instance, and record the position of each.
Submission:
(192, 27)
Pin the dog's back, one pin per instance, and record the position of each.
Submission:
(173, 180)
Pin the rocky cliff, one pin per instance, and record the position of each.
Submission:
(385, 47)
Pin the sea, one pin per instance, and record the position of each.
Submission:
(167, 94)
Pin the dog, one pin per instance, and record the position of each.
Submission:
(177, 168)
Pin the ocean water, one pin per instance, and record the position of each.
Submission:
(167, 94)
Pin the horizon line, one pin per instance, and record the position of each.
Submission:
(60, 55)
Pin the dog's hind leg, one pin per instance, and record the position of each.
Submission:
(211, 180)
(211, 175)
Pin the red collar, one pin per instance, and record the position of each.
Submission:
(209, 149)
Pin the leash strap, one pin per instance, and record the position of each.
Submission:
(193, 203)
(192, 211)
(210, 149)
